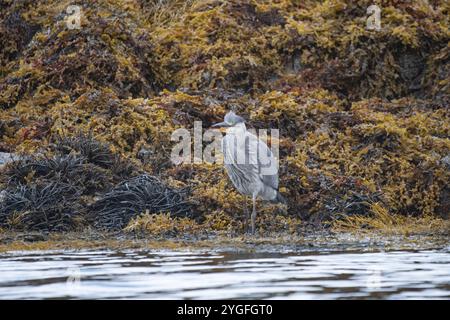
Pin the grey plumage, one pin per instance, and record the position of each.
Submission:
(249, 163)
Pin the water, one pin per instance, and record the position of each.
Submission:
(224, 275)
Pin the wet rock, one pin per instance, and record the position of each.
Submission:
(446, 161)
(6, 157)
(145, 155)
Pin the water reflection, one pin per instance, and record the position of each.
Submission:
(200, 275)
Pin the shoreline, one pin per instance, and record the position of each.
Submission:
(275, 242)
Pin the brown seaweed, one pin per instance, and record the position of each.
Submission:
(363, 114)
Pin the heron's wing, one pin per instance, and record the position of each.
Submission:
(262, 158)
(247, 160)
(241, 174)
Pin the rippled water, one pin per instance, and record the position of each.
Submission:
(224, 275)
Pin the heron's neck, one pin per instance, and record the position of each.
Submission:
(237, 129)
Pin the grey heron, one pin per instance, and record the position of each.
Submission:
(249, 163)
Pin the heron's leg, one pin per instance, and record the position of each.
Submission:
(246, 215)
(254, 213)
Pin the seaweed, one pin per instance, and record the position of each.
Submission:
(40, 207)
(47, 191)
(115, 209)
(363, 114)
(15, 34)
(70, 169)
(87, 147)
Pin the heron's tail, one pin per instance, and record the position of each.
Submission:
(279, 199)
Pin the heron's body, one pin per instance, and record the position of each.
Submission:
(247, 175)
(249, 163)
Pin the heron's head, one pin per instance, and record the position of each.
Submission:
(231, 119)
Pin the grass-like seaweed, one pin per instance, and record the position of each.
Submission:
(130, 198)
(48, 207)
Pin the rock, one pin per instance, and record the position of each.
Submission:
(446, 161)
(144, 155)
(6, 157)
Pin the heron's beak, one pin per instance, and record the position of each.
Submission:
(220, 124)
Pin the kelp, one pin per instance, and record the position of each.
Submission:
(363, 114)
